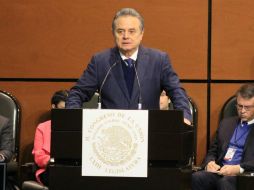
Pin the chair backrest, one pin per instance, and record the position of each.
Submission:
(194, 113)
(229, 108)
(10, 108)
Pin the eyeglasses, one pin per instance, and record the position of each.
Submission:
(240, 107)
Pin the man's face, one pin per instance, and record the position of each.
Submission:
(164, 101)
(245, 108)
(127, 34)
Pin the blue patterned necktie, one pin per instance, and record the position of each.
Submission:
(129, 74)
(130, 62)
(244, 123)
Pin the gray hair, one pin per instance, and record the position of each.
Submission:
(246, 91)
(128, 12)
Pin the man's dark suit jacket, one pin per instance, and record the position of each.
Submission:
(155, 74)
(219, 146)
(6, 139)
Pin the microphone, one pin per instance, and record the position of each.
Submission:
(139, 88)
(103, 82)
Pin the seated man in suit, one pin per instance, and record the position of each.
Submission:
(6, 144)
(129, 75)
(41, 150)
(232, 151)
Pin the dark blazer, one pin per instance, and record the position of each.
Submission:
(155, 74)
(219, 146)
(6, 140)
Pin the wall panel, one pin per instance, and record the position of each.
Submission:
(198, 92)
(55, 39)
(232, 40)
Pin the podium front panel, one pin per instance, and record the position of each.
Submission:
(170, 145)
(168, 138)
(68, 145)
(69, 177)
(2, 175)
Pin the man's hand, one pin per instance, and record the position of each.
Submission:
(2, 159)
(212, 167)
(229, 170)
(187, 121)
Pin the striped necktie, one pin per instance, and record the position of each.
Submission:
(129, 62)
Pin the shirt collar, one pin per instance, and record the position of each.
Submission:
(134, 56)
(249, 122)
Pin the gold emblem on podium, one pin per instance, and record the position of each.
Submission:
(114, 145)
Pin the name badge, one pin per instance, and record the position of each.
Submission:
(230, 153)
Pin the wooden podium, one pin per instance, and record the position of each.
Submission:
(2, 175)
(170, 149)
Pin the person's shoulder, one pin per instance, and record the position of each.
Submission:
(44, 125)
(232, 118)
(104, 53)
(152, 51)
(229, 121)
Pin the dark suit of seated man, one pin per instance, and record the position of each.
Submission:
(232, 151)
(6, 143)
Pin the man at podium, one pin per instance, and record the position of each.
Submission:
(129, 76)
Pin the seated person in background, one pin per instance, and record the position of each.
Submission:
(6, 143)
(232, 151)
(164, 101)
(41, 150)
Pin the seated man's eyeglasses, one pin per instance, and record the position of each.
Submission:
(246, 108)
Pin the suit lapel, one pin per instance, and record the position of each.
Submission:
(229, 133)
(141, 68)
(249, 137)
(118, 72)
